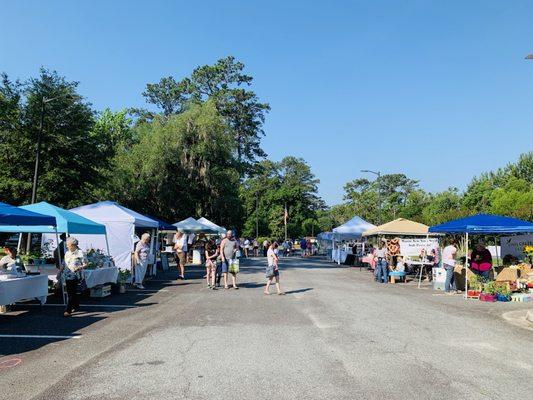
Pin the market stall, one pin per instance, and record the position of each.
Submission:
(350, 230)
(120, 224)
(162, 251)
(492, 226)
(219, 229)
(407, 238)
(190, 226)
(15, 285)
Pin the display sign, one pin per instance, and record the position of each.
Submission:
(514, 245)
(413, 247)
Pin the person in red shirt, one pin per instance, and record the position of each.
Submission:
(481, 260)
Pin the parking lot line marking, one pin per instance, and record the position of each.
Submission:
(42, 336)
(85, 305)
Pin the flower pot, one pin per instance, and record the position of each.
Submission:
(121, 288)
(473, 293)
(501, 297)
(487, 297)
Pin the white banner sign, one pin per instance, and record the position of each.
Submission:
(514, 245)
(413, 247)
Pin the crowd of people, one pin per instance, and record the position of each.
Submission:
(480, 260)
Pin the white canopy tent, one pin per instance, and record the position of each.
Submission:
(190, 225)
(352, 229)
(205, 221)
(120, 223)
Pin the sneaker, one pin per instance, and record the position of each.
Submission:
(141, 287)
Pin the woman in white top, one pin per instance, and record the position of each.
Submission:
(142, 250)
(7, 263)
(272, 270)
(75, 261)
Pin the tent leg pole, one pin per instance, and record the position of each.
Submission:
(19, 243)
(63, 291)
(466, 266)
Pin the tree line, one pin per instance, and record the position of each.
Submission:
(506, 191)
(195, 150)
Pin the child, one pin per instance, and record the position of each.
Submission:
(400, 266)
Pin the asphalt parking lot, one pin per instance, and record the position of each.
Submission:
(336, 335)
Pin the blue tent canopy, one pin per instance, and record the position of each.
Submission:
(20, 220)
(484, 224)
(67, 222)
(163, 226)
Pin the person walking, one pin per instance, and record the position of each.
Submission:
(265, 247)
(211, 255)
(75, 261)
(272, 269)
(448, 262)
(382, 266)
(303, 247)
(142, 250)
(256, 247)
(180, 246)
(246, 247)
(228, 251)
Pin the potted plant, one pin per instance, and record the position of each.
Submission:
(489, 292)
(474, 286)
(123, 277)
(503, 292)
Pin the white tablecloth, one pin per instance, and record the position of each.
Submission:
(99, 276)
(336, 253)
(29, 287)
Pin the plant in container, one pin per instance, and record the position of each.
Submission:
(489, 292)
(123, 277)
(474, 286)
(503, 292)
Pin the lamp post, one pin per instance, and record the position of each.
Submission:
(378, 174)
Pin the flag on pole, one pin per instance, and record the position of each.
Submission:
(286, 215)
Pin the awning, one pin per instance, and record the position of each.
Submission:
(16, 219)
(399, 227)
(484, 224)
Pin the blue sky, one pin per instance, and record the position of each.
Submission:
(437, 90)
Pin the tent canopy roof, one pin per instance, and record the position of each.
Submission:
(110, 211)
(16, 219)
(400, 226)
(190, 225)
(352, 229)
(67, 222)
(205, 221)
(163, 226)
(484, 223)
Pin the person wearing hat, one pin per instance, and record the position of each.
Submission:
(481, 260)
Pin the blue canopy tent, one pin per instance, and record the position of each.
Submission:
(15, 219)
(482, 224)
(163, 226)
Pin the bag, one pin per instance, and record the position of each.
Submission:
(238, 254)
(233, 266)
(269, 271)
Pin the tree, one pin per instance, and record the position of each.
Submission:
(182, 166)
(70, 155)
(288, 183)
(221, 83)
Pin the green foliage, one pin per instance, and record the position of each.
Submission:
(289, 182)
(71, 155)
(223, 84)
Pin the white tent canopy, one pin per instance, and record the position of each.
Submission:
(353, 229)
(205, 221)
(120, 223)
(190, 225)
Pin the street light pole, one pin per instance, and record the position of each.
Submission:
(378, 174)
(256, 215)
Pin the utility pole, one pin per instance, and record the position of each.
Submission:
(378, 173)
(256, 215)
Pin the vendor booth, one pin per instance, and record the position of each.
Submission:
(192, 227)
(351, 230)
(491, 225)
(73, 224)
(409, 239)
(120, 224)
(219, 229)
(163, 251)
(15, 285)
